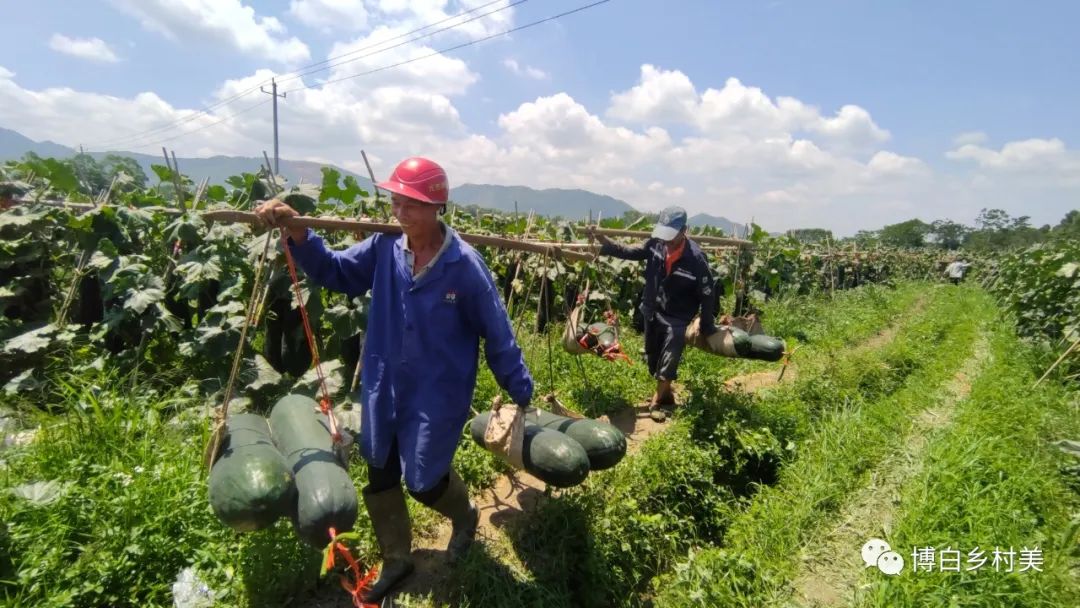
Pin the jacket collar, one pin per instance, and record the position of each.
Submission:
(451, 254)
(690, 250)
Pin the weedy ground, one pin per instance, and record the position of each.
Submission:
(920, 391)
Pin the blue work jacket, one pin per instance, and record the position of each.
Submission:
(421, 351)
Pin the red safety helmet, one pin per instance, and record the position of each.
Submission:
(420, 179)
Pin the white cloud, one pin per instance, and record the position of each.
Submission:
(93, 49)
(886, 162)
(228, 22)
(331, 14)
(740, 154)
(367, 55)
(852, 129)
(738, 110)
(970, 137)
(1016, 154)
(528, 71)
(660, 97)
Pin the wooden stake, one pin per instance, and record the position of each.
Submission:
(1074, 346)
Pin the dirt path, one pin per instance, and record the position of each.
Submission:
(831, 563)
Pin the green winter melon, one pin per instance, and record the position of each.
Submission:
(250, 484)
(766, 348)
(548, 455)
(325, 495)
(604, 444)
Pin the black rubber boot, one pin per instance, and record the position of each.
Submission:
(463, 514)
(390, 518)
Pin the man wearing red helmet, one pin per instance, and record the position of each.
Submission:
(432, 299)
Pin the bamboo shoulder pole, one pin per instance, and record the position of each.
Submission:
(89, 206)
(708, 240)
(338, 224)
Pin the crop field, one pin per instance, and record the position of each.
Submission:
(941, 419)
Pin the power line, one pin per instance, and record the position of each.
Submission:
(297, 73)
(411, 40)
(131, 139)
(206, 126)
(456, 47)
(387, 67)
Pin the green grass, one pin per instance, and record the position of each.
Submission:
(600, 544)
(135, 510)
(992, 480)
(873, 396)
(989, 478)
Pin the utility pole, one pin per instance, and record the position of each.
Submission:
(273, 91)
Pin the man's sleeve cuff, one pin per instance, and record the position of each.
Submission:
(308, 236)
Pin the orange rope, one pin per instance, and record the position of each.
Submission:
(362, 582)
(324, 403)
(611, 353)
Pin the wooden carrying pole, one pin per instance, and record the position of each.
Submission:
(708, 240)
(331, 223)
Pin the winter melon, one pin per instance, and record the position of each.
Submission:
(250, 484)
(548, 455)
(325, 495)
(604, 444)
(766, 348)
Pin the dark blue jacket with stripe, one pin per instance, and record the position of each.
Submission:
(679, 295)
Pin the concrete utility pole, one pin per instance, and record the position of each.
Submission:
(273, 91)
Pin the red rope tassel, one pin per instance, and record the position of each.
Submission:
(362, 583)
(325, 404)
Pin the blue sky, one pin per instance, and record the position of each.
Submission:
(919, 73)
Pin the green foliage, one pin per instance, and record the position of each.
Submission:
(1040, 286)
(811, 236)
(948, 234)
(171, 301)
(906, 235)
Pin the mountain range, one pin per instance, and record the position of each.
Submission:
(551, 202)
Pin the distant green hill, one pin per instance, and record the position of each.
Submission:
(13, 145)
(552, 202)
(570, 204)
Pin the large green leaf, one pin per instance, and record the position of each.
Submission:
(31, 342)
(217, 193)
(199, 271)
(162, 172)
(42, 493)
(21, 217)
(259, 375)
(347, 321)
(308, 384)
(303, 198)
(61, 175)
(141, 299)
(19, 385)
(100, 260)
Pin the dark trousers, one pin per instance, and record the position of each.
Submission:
(665, 339)
(386, 477)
